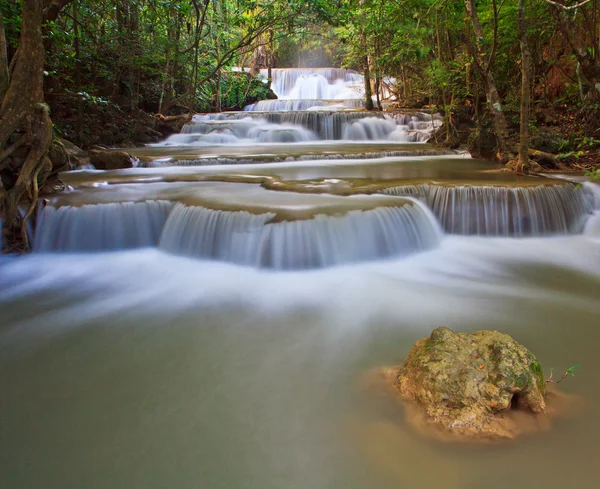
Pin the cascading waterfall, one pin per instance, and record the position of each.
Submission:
(286, 105)
(98, 227)
(320, 100)
(239, 236)
(249, 239)
(238, 131)
(375, 129)
(285, 82)
(504, 211)
(292, 126)
(308, 157)
(592, 226)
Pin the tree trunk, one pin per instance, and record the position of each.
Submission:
(367, 77)
(25, 121)
(76, 47)
(378, 90)
(4, 76)
(366, 69)
(482, 62)
(525, 89)
(588, 64)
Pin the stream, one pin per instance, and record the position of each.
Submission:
(207, 319)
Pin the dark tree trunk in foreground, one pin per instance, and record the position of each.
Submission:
(4, 76)
(25, 123)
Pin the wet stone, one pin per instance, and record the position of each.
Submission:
(467, 385)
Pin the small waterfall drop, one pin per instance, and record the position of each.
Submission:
(98, 227)
(303, 125)
(315, 83)
(249, 239)
(504, 211)
(241, 237)
(592, 226)
(286, 105)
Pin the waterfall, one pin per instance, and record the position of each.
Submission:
(374, 129)
(235, 131)
(240, 127)
(592, 226)
(287, 82)
(249, 239)
(113, 226)
(286, 105)
(239, 236)
(504, 211)
(308, 157)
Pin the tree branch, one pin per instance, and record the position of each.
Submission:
(564, 7)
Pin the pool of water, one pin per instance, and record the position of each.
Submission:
(141, 369)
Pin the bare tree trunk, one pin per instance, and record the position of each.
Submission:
(525, 90)
(77, 71)
(366, 69)
(483, 63)
(378, 89)
(4, 76)
(367, 76)
(270, 61)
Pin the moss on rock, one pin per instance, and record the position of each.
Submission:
(466, 383)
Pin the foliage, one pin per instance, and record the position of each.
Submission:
(570, 371)
(173, 56)
(594, 173)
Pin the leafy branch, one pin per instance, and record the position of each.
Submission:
(569, 371)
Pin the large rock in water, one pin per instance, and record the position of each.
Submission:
(467, 383)
(111, 160)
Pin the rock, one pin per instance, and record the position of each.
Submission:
(111, 160)
(482, 144)
(547, 140)
(65, 155)
(467, 384)
(167, 125)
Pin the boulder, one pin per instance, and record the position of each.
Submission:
(65, 155)
(468, 384)
(111, 160)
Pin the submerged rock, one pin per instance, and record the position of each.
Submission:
(467, 384)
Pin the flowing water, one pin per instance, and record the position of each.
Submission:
(208, 319)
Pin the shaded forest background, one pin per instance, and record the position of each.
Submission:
(108, 59)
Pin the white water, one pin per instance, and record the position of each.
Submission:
(242, 128)
(312, 104)
(505, 211)
(286, 105)
(246, 239)
(240, 237)
(113, 226)
(315, 83)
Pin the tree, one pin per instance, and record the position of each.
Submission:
(523, 162)
(25, 122)
(483, 62)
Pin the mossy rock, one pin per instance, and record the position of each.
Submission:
(467, 383)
